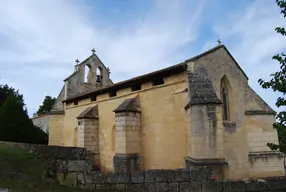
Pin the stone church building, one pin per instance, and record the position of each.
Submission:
(197, 113)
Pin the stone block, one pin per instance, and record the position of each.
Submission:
(90, 187)
(79, 166)
(103, 187)
(117, 187)
(154, 176)
(80, 178)
(190, 186)
(95, 177)
(61, 166)
(122, 177)
(149, 187)
(167, 187)
(256, 185)
(137, 177)
(212, 186)
(276, 183)
(182, 175)
(67, 179)
(234, 186)
(135, 187)
(198, 175)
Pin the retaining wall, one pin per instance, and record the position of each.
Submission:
(72, 167)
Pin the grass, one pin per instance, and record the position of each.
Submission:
(20, 171)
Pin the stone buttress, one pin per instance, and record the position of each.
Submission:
(205, 131)
(127, 136)
(88, 129)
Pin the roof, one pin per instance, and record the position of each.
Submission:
(178, 68)
(214, 49)
(129, 105)
(89, 113)
(58, 112)
(42, 115)
(139, 79)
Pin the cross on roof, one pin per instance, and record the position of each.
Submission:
(77, 61)
(219, 42)
(93, 51)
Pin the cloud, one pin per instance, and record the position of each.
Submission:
(39, 41)
(250, 36)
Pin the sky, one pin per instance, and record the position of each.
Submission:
(40, 40)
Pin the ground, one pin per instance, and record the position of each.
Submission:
(20, 171)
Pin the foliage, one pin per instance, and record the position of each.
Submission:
(47, 105)
(15, 124)
(278, 83)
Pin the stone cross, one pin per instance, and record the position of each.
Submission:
(77, 61)
(93, 51)
(219, 42)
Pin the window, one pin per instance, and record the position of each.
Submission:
(136, 87)
(93, 98)
(75, 102)
(158, 81)
(225, 101)
(112, 93)
(86, 73)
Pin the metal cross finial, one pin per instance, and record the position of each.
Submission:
(219, 42)
(93, 51)
(77, 61)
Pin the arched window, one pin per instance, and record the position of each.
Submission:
(99, 75)
(86, 73)
(225, 101)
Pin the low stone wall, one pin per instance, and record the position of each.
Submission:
(72, 167)
(170, 180)
(56, 152)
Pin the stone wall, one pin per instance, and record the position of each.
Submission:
(55, 152)
(179, 180)
(42, 122)
(73, 168)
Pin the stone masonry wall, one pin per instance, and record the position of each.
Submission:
(56, 152)
(73, 169)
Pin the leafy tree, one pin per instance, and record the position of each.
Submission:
(15, 124)
(278, 83)
(47, 105)
(5, 91)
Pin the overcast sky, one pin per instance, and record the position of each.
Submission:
(41, 39)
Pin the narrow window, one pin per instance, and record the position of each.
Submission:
(158, 81)
(86, 73)
(75, 102)
(225, 101)
(136, 87)
(112, 93)
(93, 98)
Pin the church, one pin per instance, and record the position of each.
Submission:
(198, 113)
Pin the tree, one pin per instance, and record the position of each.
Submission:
(15, 124)
(5, 91)
(47, 105)
(278, 83)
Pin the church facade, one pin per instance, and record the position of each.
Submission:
(198, 113)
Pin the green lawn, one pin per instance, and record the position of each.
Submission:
(21, 171)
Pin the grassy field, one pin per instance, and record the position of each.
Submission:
(20, 171)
